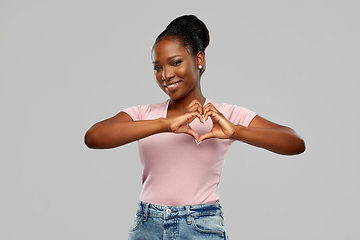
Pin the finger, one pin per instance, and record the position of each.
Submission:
(214, 113)
(208, 109)
(193, 133)
(180, 120)
(208, 113)
(201, 118)
(194, 102)
(195, 114)
(195, 106)
(198, 115)
(206, 136)
(209, 106)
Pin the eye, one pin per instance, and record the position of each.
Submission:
(157, 68)
(177, 62)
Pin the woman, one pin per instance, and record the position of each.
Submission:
(179, 199)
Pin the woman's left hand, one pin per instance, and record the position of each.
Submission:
(222, 128)
(260, 132)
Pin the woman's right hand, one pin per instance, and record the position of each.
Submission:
(180, 122)
(121, 129)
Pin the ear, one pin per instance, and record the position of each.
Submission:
(200, 59)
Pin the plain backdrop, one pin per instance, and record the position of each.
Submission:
(65, 65)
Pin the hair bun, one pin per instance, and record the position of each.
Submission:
(191, 32)
(195, 24)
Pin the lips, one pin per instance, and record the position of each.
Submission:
(171, 86)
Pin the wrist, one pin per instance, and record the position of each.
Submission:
(165, 125)
(238, 132)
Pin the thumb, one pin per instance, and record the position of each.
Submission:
(206, 136)
(193, 133)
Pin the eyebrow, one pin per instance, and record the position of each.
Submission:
(168, 59)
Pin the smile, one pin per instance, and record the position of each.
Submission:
(172, 86)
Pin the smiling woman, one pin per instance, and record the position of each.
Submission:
(189, 208)
(177, 72)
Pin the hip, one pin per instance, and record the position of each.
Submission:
(200, 221)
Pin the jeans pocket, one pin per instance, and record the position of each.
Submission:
(136, 223)
(209, 224)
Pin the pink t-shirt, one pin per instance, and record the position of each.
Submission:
(176, 170)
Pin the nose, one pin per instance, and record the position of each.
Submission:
(167, 73)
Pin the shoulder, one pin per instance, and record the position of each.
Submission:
(235, 114)
(226, 108)
(141, 112)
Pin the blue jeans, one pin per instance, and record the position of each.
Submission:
(200, 222)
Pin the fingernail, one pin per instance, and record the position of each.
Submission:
(203, 118)
(198, 142)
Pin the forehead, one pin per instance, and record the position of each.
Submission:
(167, 48)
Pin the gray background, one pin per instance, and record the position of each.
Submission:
(65, 65)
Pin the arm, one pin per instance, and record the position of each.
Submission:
(121, 129)
(260, 132)
(273, 137)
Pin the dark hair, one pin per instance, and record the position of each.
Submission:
(190, 31)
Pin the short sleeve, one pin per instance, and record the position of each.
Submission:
(135, 112)
(147, 112)
(237, 115)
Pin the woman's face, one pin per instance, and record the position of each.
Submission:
(176, 70)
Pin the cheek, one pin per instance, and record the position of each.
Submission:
(184, 71)
(158, 79)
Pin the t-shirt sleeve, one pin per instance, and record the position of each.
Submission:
(136, 112)
(238, 115)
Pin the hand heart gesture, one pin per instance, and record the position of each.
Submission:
(222, 128)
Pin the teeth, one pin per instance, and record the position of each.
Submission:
(172, 85)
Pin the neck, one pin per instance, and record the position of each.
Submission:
(184, 102)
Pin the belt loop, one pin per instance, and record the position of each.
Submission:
(222, 215)
(188, 216)
(146, 212)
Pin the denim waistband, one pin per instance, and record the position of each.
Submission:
(167, 212)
